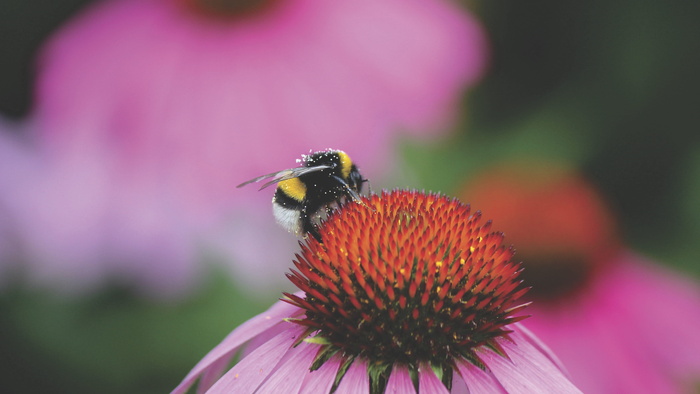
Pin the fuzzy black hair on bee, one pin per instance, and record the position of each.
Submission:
(326, 179)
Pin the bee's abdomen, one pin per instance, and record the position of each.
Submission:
(293, 188)
(288, 218)
(283, 199)
(287, 211)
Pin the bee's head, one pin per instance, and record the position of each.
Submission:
(355, 180)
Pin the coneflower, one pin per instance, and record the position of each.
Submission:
(408, 292)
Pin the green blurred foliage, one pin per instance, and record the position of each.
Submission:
(606, 87)
(114, 342)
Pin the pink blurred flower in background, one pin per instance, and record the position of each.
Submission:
(149, 112)
(68, 224)
(619, 323)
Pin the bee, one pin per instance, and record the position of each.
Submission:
(326, 180)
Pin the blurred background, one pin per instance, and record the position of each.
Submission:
(606, 88)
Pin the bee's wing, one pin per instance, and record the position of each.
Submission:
(261, 177)
(284, 175)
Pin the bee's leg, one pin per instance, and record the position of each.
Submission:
(307, 226)
(314, 231)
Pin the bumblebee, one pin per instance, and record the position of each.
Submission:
(325, 180)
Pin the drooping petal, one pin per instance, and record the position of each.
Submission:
(290, 375)
(458, 384)
(214, 372)
(477, 380)
(249, 373)
(428, 382)
(400, 381)
(321, 380)
(238, 337)
(540, 346)
(356, 379)
(526, 370)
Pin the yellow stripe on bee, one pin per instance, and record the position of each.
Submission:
(293, 188)
(345, 164)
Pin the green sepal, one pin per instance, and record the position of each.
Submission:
(447, 376)
(324, 354)
(378, 377)
(318, 340)
(476, 361)
(437, 371)
(497, 348)
(303, 336)
(344, 366)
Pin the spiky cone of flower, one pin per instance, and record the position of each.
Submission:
(409, 292)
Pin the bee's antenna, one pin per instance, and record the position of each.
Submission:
(353, 194)
(356, 197)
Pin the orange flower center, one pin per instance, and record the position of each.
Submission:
(407, 277)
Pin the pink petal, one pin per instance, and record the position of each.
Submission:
(541, 346)
(294, 368)
(356, 379)
(477, 380)
(213, 373)
(249, 373)
(528, 370)
(458, 385)
(400, 381)
(428, 382)
(255, 326)
(321, 380)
